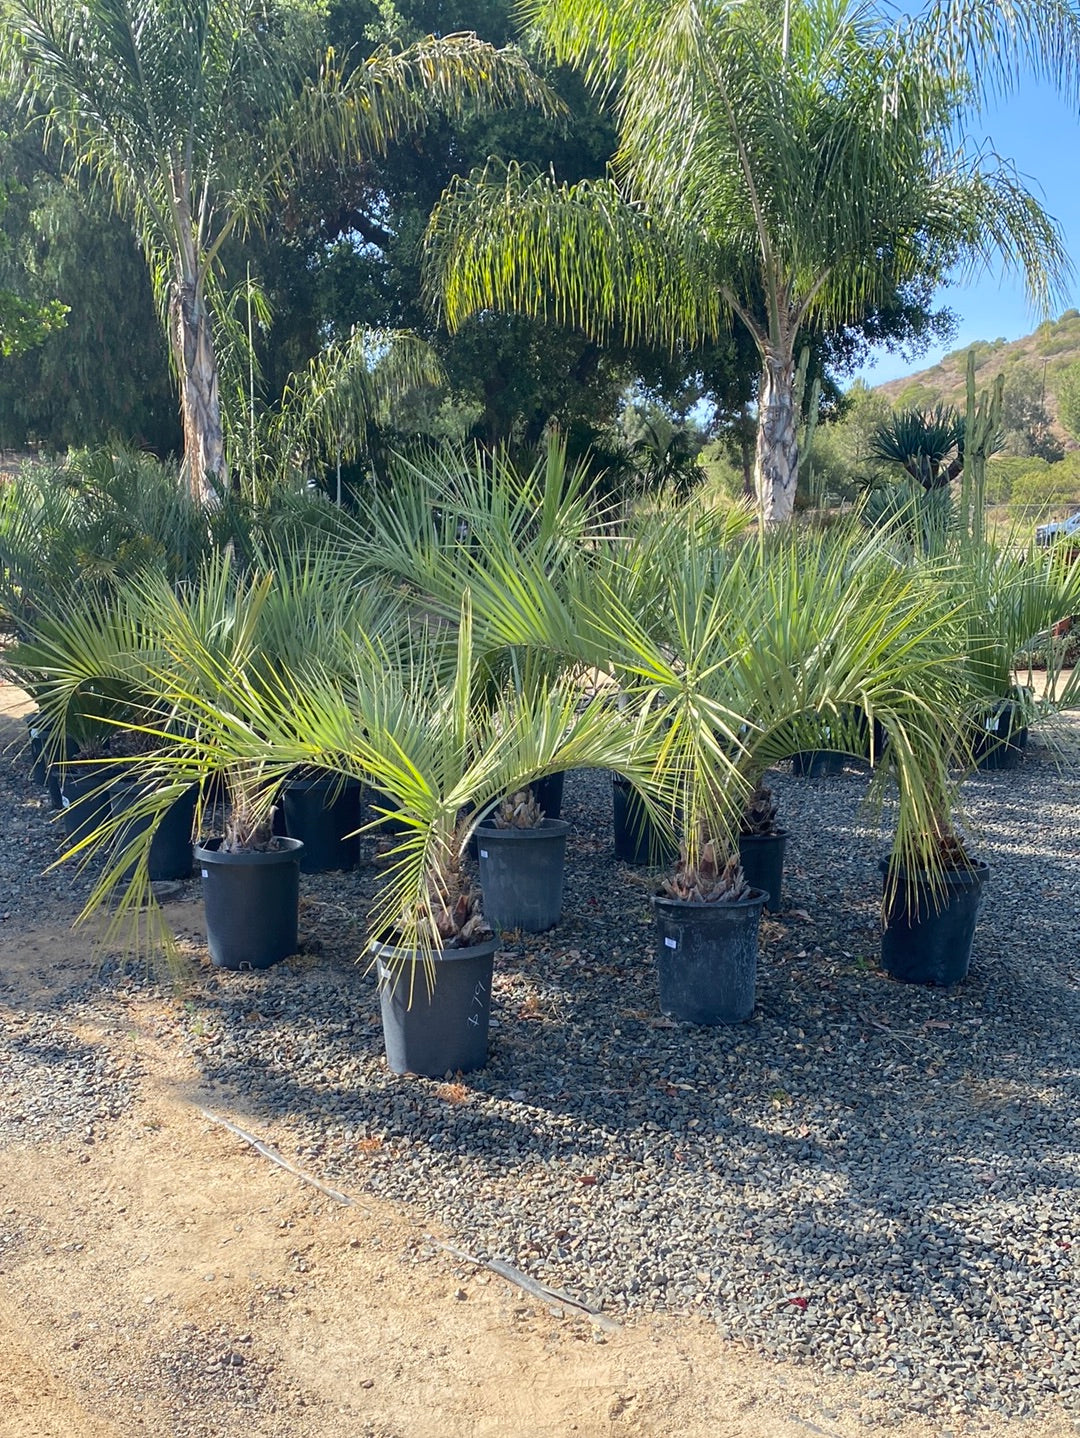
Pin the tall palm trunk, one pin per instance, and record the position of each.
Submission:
(200, 404)
(776, 458)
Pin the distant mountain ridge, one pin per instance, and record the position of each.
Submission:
(1038, 361)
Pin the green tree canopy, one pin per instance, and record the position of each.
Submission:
(1068, 399)
(199, 115)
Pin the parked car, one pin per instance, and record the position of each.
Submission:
(1046, 534)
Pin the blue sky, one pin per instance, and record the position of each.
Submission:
(1040, 134)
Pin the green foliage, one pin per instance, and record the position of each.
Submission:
(754, 178)
(1068, 399)
(916, 396)
(79, 531)
(1002, 472)
(720, 653)
(24, 325)
(199, 118)
(105, 372)
(1025, 418)
(1058, 336)
(843, 455)
(982, 350)
(1049, 491)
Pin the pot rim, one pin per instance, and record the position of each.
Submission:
(752, 838)
(978, 868)
(382, 950)
(326, 780)
(547, 829)
(208, 852)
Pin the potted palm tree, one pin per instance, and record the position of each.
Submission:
(427, 730)
(707, 938)
(762, 844)
(932, 882)
(522, 857)
(155, 660)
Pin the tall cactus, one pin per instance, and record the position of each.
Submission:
(982, 428)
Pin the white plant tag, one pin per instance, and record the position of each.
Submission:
(483, 853)
(672, 943)
(206, 873)
(65, 801)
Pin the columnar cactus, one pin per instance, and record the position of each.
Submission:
(981, 438)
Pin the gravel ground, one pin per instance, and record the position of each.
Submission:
(866, 1176)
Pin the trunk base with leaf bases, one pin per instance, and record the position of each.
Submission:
(707, 920)
(436, 1003)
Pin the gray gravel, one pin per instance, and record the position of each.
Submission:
(867, 1176)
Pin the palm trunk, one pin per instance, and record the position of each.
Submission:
(200, 405)
(776, 460)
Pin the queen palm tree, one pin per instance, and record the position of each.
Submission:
(197, 114)
(787, 167)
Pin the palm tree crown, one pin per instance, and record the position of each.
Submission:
(788, 166)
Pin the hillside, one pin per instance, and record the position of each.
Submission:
(1033, 364)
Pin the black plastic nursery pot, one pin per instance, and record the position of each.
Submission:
(41, 771)
(706, 958)
(548, 793)
(817, 763)
(762, 859)
(444, 1029)
(1001, 741)
(324, 813)
(521, 875)
(84, 800)
(875, 732)
(35, 728)
(171, 853)
(928, 936)
(252, 902)
(636, 838)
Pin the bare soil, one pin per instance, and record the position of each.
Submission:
(166, 1279)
